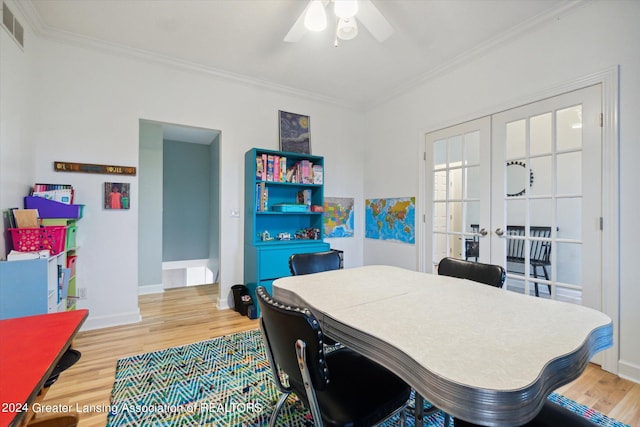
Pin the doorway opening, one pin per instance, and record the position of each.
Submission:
(179, 221)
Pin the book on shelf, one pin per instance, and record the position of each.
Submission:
(276, 168)
(283, 169)
(19, 256)
(26, 218)
(62, 193)
(306, 172)
(304, 198)
(259, 167)
(269, 167)
(262, 197)
(318, 174)
(265, 199)
(10, 220)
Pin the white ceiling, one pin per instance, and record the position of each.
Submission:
(243, 39)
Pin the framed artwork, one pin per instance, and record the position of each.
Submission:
(116, 195)
(294, 133)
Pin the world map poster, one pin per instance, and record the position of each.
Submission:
(338, 217)
(391, 219)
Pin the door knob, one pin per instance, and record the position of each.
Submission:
(483, 232)
(499, 231)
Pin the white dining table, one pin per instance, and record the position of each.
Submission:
(481, 354)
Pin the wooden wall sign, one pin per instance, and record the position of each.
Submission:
(91, 168)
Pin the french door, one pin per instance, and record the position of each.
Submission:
(523, 189)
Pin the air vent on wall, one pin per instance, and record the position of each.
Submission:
(12, 24)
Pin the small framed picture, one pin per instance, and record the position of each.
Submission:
(116, 195)
(294, 133)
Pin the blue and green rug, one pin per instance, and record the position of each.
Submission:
(224, 382)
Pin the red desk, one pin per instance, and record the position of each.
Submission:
(30, 347)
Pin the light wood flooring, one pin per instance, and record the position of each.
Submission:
(187, 315)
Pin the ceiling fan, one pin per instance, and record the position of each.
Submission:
(347, 15)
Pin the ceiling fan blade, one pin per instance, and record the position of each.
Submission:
(298, 29)
(371, 18)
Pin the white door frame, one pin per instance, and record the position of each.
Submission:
(609, 79)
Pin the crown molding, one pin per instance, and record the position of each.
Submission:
(44, 31)
(47, 32)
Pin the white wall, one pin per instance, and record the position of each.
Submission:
(591, 39)
(88, 107)
(16, 148)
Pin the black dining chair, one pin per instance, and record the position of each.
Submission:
(341, 387)
(314, 262)
(489, 274)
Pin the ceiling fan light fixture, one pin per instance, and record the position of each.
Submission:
(347, 29)
(316, 17)
(345, 9)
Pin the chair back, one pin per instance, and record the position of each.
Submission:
(488, 274)
(539, 250)
(282, 326)
(314, 262)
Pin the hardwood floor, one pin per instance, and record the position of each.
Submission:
(186, 315)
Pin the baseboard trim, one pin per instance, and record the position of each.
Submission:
(223, 306)
(99, 322)
(150, 289)
(629, 371)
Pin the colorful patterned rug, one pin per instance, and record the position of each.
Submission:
(224, 382)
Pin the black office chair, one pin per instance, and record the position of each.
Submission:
(68, 359)
(339, 388)
(489, 274)
(314, 262)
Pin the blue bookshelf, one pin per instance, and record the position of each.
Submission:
(279, 214)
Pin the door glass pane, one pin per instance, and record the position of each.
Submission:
(455, 213)
(439, 247)
(516, 212)
(541, 134)
(569, 128)
(516, 139)
(569, 218)
(455, 184)
(542, 184)
(569, 263)
(569, 173)
(440, 185)
(472, 148)
(473, 182)
(440, 154)
(541, 212)
(514, 284)
(455, 247)
(472, 222)
(440, 216)
(455, 151)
